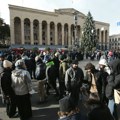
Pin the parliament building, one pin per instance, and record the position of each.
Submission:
(33, 27)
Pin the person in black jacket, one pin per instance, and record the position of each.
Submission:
(113, 84)
(73, 81)
(96, 80)
(8, 92)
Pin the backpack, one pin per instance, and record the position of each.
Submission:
(40, 71)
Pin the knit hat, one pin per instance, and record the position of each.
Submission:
(57, 53)
(19, 63)
(65, 104)
(103, 62)
(7, 64)
(75, 62)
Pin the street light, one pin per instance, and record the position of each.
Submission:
(75, 43)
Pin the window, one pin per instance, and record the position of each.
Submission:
(43, 33)
(43, 38)
(50, 33)
(51, 38)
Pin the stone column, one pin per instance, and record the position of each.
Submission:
(40, 33)
(69, 36)
(63, 35)
(48, 34)
(31, 33)
(108, 39)
(100, 38)
(104, 36)
(12, 34)
(56, 35)
(22, 32)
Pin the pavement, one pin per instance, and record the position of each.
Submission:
(43, 111)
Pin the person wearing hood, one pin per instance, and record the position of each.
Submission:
(21, 79)
(8, 92)
(103, 65)
(40, 76)
(113, 84)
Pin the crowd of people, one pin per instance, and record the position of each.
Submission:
(100, 85)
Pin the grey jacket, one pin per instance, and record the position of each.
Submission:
(21, 82)
(74, 76)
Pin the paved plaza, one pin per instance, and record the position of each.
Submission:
(42, 111)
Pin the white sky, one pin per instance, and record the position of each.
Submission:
(101, 10)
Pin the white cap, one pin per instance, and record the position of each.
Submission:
(37, 58)
(103, 62)
(7, 64)
(57, 53)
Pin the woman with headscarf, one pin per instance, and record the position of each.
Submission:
(22, 86)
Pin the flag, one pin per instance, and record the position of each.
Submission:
(118, 23)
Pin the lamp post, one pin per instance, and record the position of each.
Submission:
(75, 43)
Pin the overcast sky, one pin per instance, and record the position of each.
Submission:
(102, 10)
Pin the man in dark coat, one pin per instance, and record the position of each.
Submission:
(73, 81)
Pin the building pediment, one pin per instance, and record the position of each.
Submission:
(69, 11)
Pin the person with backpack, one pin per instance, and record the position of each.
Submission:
(40, 76)
(22, 86)
(51, 77)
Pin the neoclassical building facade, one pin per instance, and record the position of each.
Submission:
(37, 27)
(114, 42)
